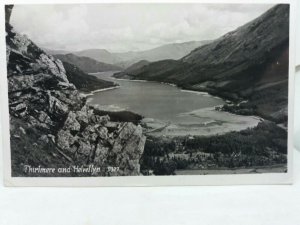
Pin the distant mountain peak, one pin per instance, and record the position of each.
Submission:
(126, 59)
(87, 64)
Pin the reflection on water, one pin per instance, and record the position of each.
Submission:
(153, 100)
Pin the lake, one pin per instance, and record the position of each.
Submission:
(152, 99)
(169, 110)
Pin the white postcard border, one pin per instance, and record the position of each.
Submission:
(186, 180)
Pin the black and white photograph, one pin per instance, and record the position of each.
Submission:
(148, 90)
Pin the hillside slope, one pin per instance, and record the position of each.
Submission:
(84, 82)
(249, 63)
(134, 67)
(86, 64)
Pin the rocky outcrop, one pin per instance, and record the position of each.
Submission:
(52, 126)
(8, 9)
(101, 142)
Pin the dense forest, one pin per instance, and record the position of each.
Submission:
(263, 145)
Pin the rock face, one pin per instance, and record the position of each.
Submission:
(52, 126)
(87, 64)
(249, 63)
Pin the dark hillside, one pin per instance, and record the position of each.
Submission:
(83, 81)
(249, 63)
(86, 64)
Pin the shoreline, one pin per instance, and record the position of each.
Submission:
(200, 124)
(226, 100)
(175, 85)
(205, 93)
(220, 122)
(202, 93)
(99, 90)
(103, 72)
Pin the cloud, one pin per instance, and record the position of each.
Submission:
(125, 27)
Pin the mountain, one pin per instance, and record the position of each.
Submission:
(100, 55)
(55, 51)
(126, 59)
(84, 82)
(87, 64)
(51, 124)
(249, 63)
(169, 51)
(132, 68)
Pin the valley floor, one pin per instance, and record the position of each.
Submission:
(223, 143)
(220, 122)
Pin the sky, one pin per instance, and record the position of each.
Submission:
(128, 27)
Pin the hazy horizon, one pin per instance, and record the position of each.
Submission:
(84, 49)
(128, 27)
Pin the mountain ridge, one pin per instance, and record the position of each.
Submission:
(236, 65)
(126, 59)
(87, 64)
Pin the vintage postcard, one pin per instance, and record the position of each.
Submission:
(124, 94)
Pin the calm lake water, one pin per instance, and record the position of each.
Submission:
(153, 100)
